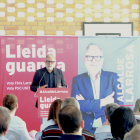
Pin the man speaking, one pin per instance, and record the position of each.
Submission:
(48, 77)
(95, 89)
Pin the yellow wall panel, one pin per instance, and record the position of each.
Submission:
(10, 32)
(43, 23)
(70, 23)
(60, 23)
(30, 23)
(37, 27)
(18, 23)
(1, 27)
(30, 32)
(57, 24)
(24, 28)
(50, 27)
(11, 27)
(50, 33)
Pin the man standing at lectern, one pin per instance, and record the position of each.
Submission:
(95, 89)
(48, 77)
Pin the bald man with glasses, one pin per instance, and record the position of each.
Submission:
(95, 89)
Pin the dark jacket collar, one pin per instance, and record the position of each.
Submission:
(72, 137)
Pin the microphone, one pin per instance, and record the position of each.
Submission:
(41, 79)
(62, 79)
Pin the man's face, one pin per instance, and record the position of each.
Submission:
(93, 60)
(50, 63)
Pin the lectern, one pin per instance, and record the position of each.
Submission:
(46, 96)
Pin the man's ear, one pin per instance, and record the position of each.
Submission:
(6, 131)
(82, 124)
(84, 59)
(106, 117)
(60, 127)
(17, 105)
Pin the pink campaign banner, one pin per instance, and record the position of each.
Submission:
(46, 96)
(21, 56)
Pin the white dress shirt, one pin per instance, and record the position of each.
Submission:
(19, 126)
(103, 132)
(95, 86)
(96, 93)
(3, 138)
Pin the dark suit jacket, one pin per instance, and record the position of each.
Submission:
(58, 78)
(90, 107)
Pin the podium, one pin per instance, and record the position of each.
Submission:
(46, 96)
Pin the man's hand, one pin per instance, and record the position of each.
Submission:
(79, 97)
(107, 100)
(44, 86)
(36, 95)
(59, 85)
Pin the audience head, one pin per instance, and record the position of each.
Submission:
(134, 134)
(122, 121)
(54, 110)
(70, 101)
(4, 120)
(109, 110)
(10, 102)
(70, 120)
(137, 107)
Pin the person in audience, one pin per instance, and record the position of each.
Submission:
(122, 121)
(137, 107)
(134, 134)
(53, 114)
(53, 132)
(4, 122)
(137, 111)
(105, 131)
(71, 123)
(16, 123)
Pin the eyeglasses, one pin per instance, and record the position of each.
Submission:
(50, 62)
(96, 58)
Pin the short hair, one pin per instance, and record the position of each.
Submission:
(93, 45)
(10, 101)
(137, 106)
(50, 55)
(54, 110)
(122, 121)
(70, 119)
(70, 101)
(134, 134)
(109, 109)
(4, 119)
